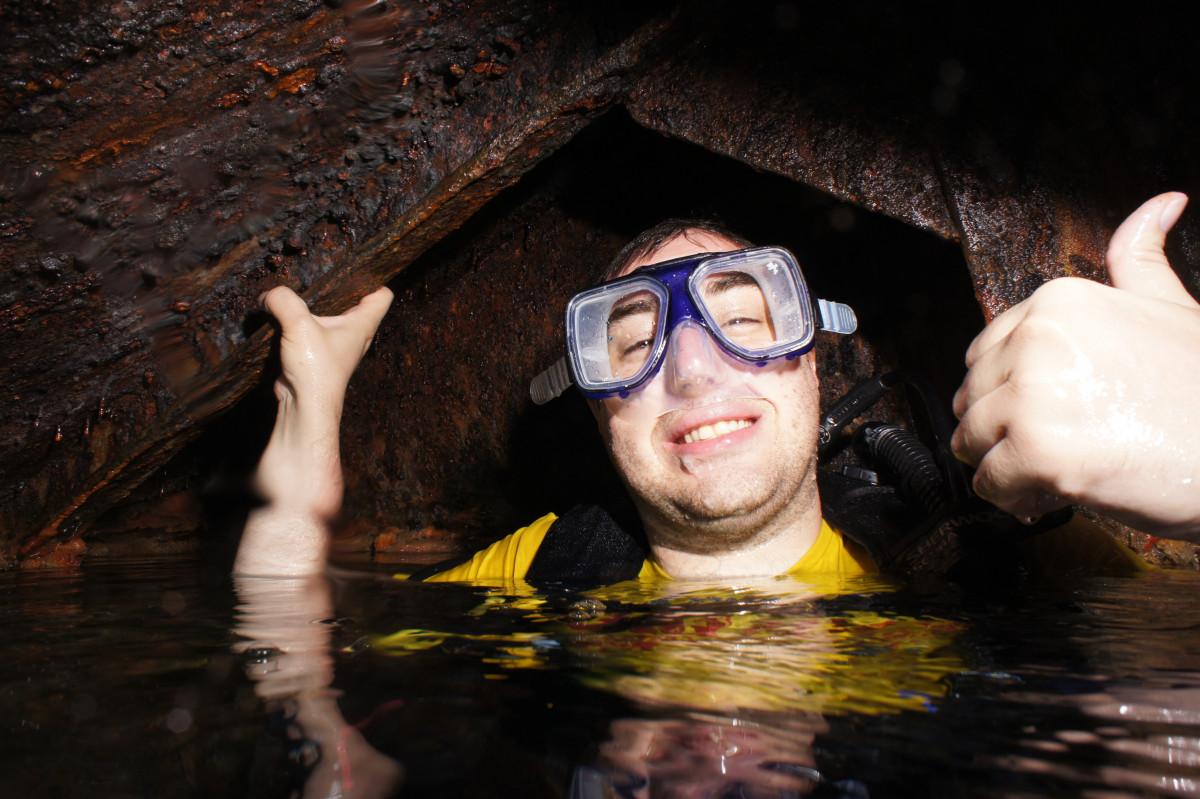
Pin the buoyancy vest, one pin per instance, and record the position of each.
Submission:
(926, 521)
(587, 547)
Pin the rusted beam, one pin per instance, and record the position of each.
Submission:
(784, 100)
(156, 182)
(1026, 143)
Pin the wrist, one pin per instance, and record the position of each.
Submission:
(301, 469)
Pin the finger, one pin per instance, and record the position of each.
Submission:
(1005, 479)
(982, 427)
(374, 306)
(286, 306)
(989, 372)
(364, 318)
(999, 479)
(996, 331)
(1136, 261)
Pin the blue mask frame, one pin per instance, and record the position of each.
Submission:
(673, 283)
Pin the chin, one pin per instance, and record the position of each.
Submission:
(717, 520)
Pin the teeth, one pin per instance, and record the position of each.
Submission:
(724, 427)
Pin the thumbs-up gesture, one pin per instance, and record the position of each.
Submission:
(1089, 394)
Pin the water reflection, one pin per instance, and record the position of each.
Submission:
(287, 625)
(1088, 688)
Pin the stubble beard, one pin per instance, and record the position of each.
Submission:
(730, 509)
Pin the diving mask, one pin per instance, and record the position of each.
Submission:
(753, 302)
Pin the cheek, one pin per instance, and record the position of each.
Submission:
(624, 430)
(797, 391)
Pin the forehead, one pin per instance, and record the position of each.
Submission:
(689, 242)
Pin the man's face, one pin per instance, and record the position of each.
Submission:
(713, 449)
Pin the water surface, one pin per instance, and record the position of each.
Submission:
(160, 678)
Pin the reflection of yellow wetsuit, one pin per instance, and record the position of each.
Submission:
(723, 646)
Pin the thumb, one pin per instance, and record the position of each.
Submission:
(1136, 261)
(370, 310)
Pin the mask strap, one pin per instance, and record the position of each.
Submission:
(837, 317)
(550, 383)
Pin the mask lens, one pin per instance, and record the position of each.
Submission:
(615, 330)
(737, 304)
(756, 301)
(631, 331)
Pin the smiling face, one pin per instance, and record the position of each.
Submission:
(717, 453)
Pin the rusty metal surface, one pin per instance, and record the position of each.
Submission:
(164, 163)
(1027, 142)
(789, 97)
(161, 163)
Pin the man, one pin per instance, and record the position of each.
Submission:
(719, 455)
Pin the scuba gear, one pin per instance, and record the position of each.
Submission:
(908, 504)
(929, 520)
(753, 302)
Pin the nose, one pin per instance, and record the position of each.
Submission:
(694, 365)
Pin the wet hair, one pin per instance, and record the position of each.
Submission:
(650, 241)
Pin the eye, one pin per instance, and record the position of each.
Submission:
(644, 344)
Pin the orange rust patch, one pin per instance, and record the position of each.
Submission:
(113, 147)
(231, 99)
(61, 554)
(387, 540)
(295, 83)
(493, 68)
(263, 66)
(314, 21)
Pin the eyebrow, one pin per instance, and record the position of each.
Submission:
(724, 281)
(630, 308)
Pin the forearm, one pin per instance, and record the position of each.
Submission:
(299, 481)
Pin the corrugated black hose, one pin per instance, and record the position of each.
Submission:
(919, 480)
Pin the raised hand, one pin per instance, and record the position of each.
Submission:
(320, 353)
(300, 474)
(1090, 394)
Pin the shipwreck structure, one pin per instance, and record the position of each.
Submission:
(163, 163)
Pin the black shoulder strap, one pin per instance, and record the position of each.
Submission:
(585, 548)
(872, 516)
(971, 537)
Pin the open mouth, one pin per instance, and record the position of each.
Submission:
(714, 430)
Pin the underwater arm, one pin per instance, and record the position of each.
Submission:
(1090, 394)
(299, 477)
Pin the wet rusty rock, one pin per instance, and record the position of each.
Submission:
(233, 155)
(1001, 139)
(162, 164)
(791, 104)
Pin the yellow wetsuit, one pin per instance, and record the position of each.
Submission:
(1078, 546)
(511, 556)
